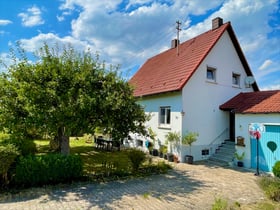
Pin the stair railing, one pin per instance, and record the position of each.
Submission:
(221, 137)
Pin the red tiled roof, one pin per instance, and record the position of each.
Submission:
(168, 71)
(254, 102)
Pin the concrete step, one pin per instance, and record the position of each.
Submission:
(224, 154)
(217, 163)
(221, 158)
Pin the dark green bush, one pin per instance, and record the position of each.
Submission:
(8, 154)
(25, 146)
(136, 157)
(159, 168)
(276, 169)
(47, 169)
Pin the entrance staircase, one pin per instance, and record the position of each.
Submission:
(224, 154)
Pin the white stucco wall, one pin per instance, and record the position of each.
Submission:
(200, 101)
(152, 106)
(242, 122)
(202, 98)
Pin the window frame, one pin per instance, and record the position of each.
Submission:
(235, 77)
(213, 71)
(166, 120)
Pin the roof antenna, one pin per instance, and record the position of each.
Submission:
(178, 30)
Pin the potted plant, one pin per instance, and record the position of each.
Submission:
(162, 150)
(239, 158)
(176, 159)
(188, 140)
(153, 135)
(172, 138)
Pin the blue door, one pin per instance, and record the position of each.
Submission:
(269, 148)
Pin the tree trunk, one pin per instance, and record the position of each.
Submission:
(63, 141)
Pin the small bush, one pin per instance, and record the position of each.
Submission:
(159, 168)
(8, 154)
(276, 169)
(47, 169)
(136, 157)
(271, 187)
(25, 146)
(220, 204)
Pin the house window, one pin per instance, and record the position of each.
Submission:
(236, 79)
(205, 152)
(164, 117)
(211, 74)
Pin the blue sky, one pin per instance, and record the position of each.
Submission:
(127, 32)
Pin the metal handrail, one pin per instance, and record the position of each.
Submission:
(219, 136)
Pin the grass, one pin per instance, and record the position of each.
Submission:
(99, 163)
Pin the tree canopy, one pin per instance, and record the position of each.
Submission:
(66, 93)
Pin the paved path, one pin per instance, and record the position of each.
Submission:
(186, 187)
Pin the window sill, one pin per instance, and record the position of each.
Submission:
(236, 86)
(211, 81)
(166, 127)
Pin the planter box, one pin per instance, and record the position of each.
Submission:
(240, 141)
(240, 164)
(189, 159)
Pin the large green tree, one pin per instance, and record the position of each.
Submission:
(66, 93)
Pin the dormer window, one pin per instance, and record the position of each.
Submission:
(236, 79)
(211, 74)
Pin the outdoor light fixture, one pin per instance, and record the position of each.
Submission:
(182, 113)
(255, 133)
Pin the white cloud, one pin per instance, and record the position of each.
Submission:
(60, 18)
(143, 28)
(5, 61)
(33, 44)
(265, 64)
(272, 87)
(5, 22)
(129, 37)
(32, 17)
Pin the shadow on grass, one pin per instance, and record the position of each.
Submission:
(104, 195)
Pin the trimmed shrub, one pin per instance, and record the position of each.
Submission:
(276, 169)
(25, 146)
(47, 169)
(136, 157)
(8, 154)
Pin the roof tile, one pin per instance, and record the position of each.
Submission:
(254, 102)
(168, 71)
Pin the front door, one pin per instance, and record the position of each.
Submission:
(232, 125)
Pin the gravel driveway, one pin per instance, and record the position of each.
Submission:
(186, 187)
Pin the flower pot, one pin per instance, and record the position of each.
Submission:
(170, 157)
(189, 159)
(176, 159)
(155, 152)
(240, 164)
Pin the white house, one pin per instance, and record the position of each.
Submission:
(183, 87)
(257, 109)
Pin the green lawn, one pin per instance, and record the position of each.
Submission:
(97, 161)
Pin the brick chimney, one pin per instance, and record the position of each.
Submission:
(174, 43)
(217, 22)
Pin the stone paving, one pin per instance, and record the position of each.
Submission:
(186, 187)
